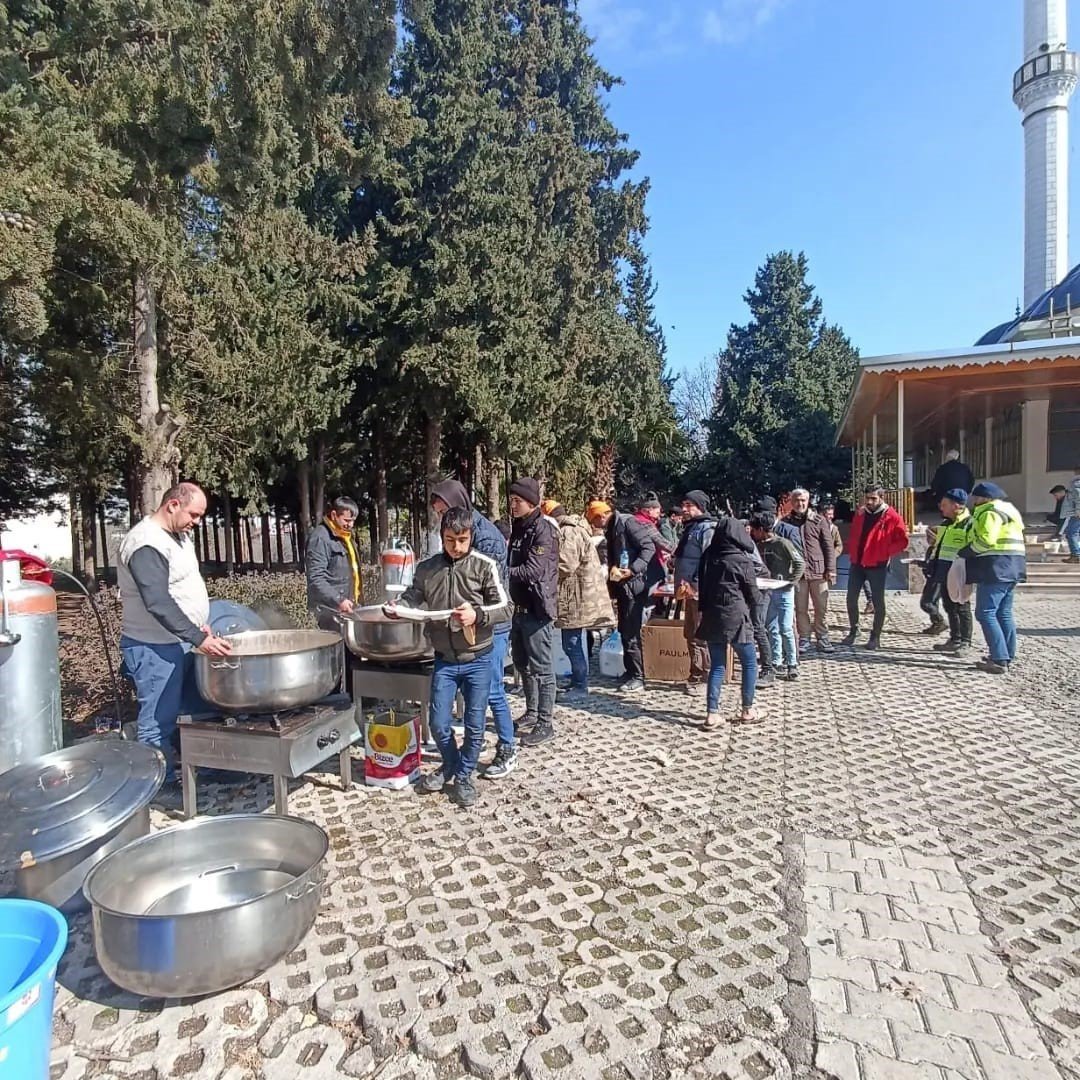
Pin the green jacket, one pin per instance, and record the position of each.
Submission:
(783, 558)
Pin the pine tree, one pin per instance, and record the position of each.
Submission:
(781, 386)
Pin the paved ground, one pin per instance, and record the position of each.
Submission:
(880, 881)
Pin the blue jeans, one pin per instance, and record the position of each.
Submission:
(497, 703)
(579, 663)
(473, 679)
(747, 655)
(780, 622)
(994, 612)
(164, 679)
(1072, 534)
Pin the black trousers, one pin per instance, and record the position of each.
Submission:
(631, 610)
(931, 598)
(960, 620)
(874, 576)
(758, 618)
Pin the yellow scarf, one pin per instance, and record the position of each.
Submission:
(345, 536)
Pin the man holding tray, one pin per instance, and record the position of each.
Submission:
(463, 599)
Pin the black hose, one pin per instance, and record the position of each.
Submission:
(113, 677)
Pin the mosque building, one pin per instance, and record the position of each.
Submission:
(1011, 403)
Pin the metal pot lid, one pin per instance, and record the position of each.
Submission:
(61, 801)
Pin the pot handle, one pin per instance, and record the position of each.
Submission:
(218, 870)
(224, 665)
(315, 882)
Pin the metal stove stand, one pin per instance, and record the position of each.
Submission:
(284, 745)
(395, 682)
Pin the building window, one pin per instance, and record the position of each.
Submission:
(1007, 449)
(1063, 430)
(975, 450)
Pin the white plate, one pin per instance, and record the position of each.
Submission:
(413, 614)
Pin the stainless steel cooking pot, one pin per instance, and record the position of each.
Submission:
(271, 670)
(62, 813)
(206, 905)
(370, 634)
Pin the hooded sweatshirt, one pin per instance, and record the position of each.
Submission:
(486, 538)
(1070, 505)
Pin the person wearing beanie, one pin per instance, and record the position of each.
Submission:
(1068, 512)
(633, 571)
(584, 603)
(534, 591)
(696, 537)
(878, 533)
(949, 540)
(489, 541)
(996, 559)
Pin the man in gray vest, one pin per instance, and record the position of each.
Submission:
(166, 614)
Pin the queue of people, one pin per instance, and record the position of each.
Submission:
(757, 589)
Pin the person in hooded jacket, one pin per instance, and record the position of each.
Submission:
(584, 602)
(487, 540)
(728, 593)
(699, 526)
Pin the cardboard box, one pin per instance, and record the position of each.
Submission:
(666, 655)
(667, 659)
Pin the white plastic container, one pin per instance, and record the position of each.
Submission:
(611, 657)
(563, 670)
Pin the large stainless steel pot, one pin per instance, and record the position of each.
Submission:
(206, 905)
(370, 634)
(271, 670)
(62, 813)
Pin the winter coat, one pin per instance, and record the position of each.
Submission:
(696, 537)
(950, 475)
(816, 545)
(486, 538)
(885, 536)
(583, 594)
(1070, 505)
(534, 566)
(625, 533)
(996, 553)
(443, 583)
(328, 572)
(727, 593)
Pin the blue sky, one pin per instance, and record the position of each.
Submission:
(878, 137)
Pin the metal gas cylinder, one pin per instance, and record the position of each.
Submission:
(30, 720)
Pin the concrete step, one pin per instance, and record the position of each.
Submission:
(1057, 568)
(1049, 587)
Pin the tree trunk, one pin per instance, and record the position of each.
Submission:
(280, 541)
(88, 515)
(382, 514)
(104, 541)
(432, 456)
(158, 426)
(477, 477)
(131, 486)
(494, 472)
(267, 554)
(230, 550)
(319, 485)
(604, 476)
(217, 537)
(251, 560)
(205, 539)
(373, 531)
(303, 490)
(75, 520)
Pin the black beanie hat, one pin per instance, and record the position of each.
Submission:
(698, 498)
(528, 489)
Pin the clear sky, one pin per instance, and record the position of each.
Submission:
(878, 136)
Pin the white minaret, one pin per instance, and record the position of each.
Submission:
(1041, 89)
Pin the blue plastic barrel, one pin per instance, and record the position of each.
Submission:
(33, 937)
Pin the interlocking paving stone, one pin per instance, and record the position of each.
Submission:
(880, 880)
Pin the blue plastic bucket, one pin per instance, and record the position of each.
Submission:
(33, 937)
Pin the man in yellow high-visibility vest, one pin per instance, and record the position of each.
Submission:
(996, 561)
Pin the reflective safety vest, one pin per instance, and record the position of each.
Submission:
(997, 529)
(953, 536)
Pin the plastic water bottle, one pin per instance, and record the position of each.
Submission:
(624, 560)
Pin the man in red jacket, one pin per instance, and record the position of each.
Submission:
(877, 534)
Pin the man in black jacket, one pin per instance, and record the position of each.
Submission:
(332, 565)
(534, 592)
(631, 542)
